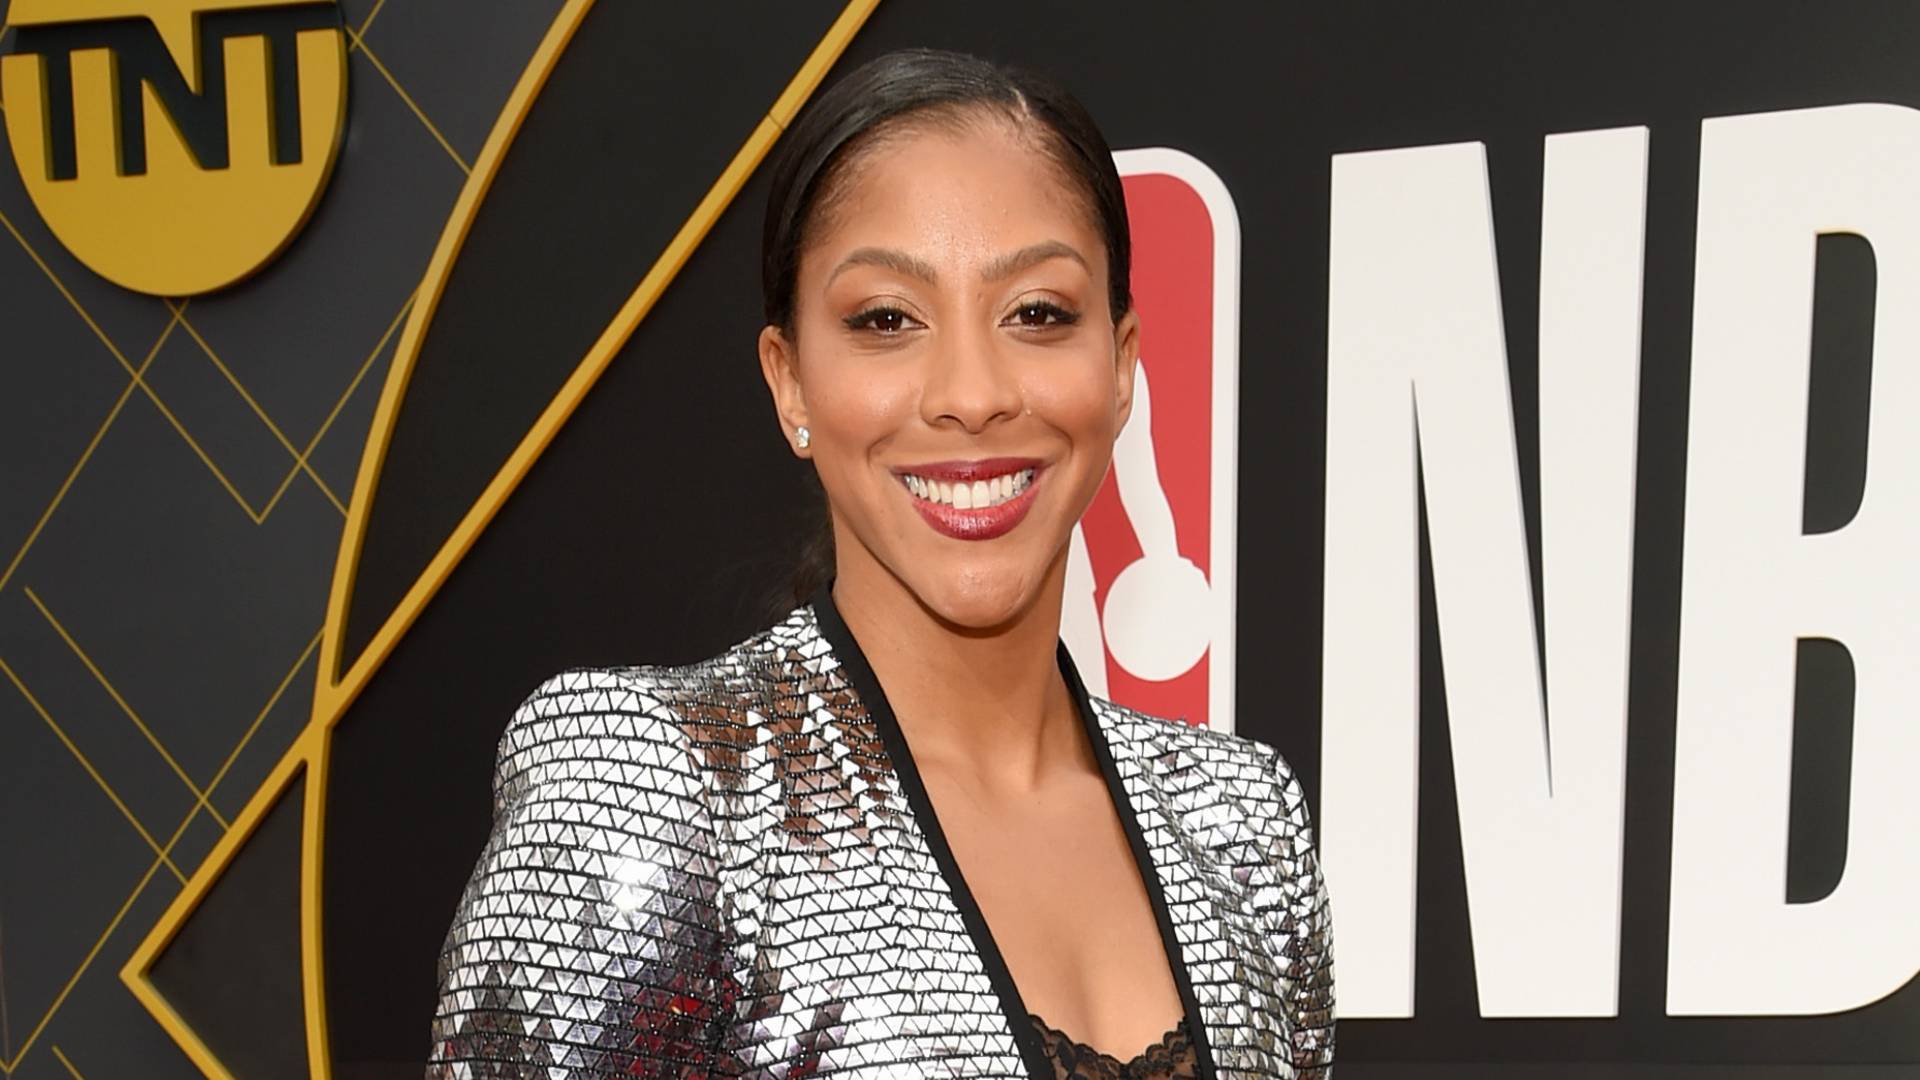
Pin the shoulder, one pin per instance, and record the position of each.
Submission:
(1247, 773)
(663, 716)
(1224, 756)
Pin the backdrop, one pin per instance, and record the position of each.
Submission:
(1532, 402)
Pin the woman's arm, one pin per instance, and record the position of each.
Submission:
(1309, 952)
(588, 942)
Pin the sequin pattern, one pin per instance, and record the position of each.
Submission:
(713, 870)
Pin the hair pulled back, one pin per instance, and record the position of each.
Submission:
(894, 92)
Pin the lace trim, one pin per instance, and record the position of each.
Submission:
(1171, 1058)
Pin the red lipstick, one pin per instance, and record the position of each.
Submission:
(976, 523)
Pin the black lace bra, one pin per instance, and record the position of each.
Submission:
(1172, 1058)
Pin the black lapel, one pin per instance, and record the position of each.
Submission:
(860, 675)
(1143, 860)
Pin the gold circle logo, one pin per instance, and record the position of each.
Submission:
(175, 146)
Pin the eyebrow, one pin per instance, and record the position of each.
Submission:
(1003, 266)
(1032, 255)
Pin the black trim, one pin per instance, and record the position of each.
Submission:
(867, 686)
(1032, 1051)
(1143, 862)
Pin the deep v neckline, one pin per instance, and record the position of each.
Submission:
(1027, 1038)
(1068, 1053)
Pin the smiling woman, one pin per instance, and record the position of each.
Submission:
(892, 834)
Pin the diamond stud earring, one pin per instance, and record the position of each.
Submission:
(802, 436)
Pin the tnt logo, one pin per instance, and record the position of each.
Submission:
(175, 146)
(1148, 613)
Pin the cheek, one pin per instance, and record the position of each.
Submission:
(1076, 397)
(854, 407)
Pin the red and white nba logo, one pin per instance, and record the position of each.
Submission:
(1148, 613)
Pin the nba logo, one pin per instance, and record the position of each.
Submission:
(1148, 612)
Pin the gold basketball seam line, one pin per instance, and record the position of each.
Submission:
(136, 378)
(332, 702)
(88, 765)
(309, 750)
(360, 43)
(200, 797)
(300, 459)
(153, 867)
(625, 320)
(139, 378)
(68, 1064)
(85, 455)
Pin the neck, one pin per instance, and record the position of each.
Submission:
(991, 704)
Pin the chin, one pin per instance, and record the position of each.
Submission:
(980, 597)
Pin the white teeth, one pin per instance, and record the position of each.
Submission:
(970, 496)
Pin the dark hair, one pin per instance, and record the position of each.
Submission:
(884, 95)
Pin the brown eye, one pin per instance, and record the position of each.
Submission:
(881, 320)
(1039, 313)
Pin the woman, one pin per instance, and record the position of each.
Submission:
(893, 835)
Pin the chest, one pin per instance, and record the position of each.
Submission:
(859, 950)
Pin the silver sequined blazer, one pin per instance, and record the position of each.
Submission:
(732, 869)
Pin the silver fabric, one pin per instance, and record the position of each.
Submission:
(715, 870)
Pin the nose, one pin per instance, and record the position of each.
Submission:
(970, 383)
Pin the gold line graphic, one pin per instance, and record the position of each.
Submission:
(62, 286)
(300, 459)
(112, 414)
(134, 973)
(371, 15)
(334, 689)
(178, 832)
(68, 1064)
(138, 375)
(200, 797)
(91, 771)
(360, 43)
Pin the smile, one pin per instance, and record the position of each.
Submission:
(972, 500)
(961, 495)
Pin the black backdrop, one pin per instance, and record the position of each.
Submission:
(667, 509)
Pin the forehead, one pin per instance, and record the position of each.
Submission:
(971, 187)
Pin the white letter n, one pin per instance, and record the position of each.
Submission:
(1417, 379)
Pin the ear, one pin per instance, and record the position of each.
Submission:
(1126, 359)
(780, 366)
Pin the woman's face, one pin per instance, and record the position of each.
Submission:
(957, 366)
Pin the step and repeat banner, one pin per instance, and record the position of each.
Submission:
(1527, 444)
